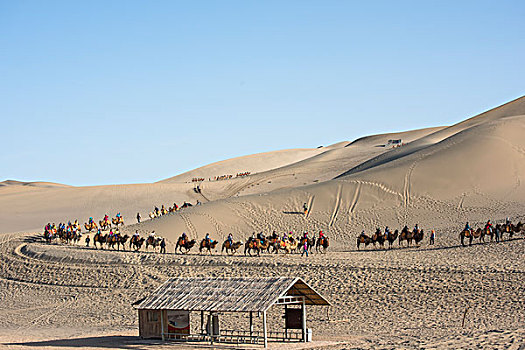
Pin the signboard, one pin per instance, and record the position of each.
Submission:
(294, 318)
(178, 322)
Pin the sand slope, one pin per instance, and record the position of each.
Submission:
(472, 171)
(29, 206)
(255, 163)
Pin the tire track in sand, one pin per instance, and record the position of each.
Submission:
(309, 205)
(337, 205)
(357, 193)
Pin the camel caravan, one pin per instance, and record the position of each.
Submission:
(70, 233)
(66, 234)
(381, 237)
(156, 212)
(495, 233)
(257, 244)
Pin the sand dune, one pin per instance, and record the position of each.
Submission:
(472, 173)
(513, 108)
(29, 206)
(31, 184)
(255, 163)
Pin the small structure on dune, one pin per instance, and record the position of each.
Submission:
(166, 313)
(395, 143)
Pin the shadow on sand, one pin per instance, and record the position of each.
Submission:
(428, 248)
(294, 212)
(114, 342)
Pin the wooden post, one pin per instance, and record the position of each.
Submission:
(162, 324)
(264, 330)
(202, 323)
(285, 328)
(251, 325)
(303, 307)
(210, 322)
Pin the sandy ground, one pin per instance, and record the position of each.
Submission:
(59, 296)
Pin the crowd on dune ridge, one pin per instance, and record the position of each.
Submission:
(221, 177)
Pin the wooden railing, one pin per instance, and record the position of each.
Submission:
(239, 336)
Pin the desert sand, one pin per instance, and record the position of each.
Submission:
(70, 296)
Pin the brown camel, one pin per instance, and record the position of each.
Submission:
(322, 245)
(91, 227)
(207, 244)
(256, 245)
(363, 239)
(391, 238)
(184, 243)
(231, 248)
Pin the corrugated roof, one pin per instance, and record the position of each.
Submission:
(240, 294)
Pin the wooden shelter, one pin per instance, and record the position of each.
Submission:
(178, 297)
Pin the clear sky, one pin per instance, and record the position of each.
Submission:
(103, 92)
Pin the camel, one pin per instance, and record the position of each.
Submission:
(479, 233)
(257, 245)
(112, 240)
(322, 244)
(207, 245)
(231, 247)
(48, 236)
(418, 236)
(117, 221)
(118, 240)
(290, 245)
(515, 229)
(104, 225)
(136, 242)
(466, 234)
(363, 239)
(311, 244)
(489, 231)
(101, 239)
(391, 238)
(406, 235)
(275, 244)
(153, 241)
(379, 238)
(184, 243)
(76, 235)
(91, 227)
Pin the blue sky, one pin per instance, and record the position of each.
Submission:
(104, 92)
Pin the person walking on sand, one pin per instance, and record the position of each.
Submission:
(138, 218)
(87, 241)
(432, 237)
(305, 209)
(163, 246)
(305, 246)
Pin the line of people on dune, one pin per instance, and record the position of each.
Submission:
(259, 242)
(115, 238)
(72, 231)
(229, 176)
(163, 211)
(221, 177)
(494, 232)
(390, 236)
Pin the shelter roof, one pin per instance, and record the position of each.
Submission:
(235, 294)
